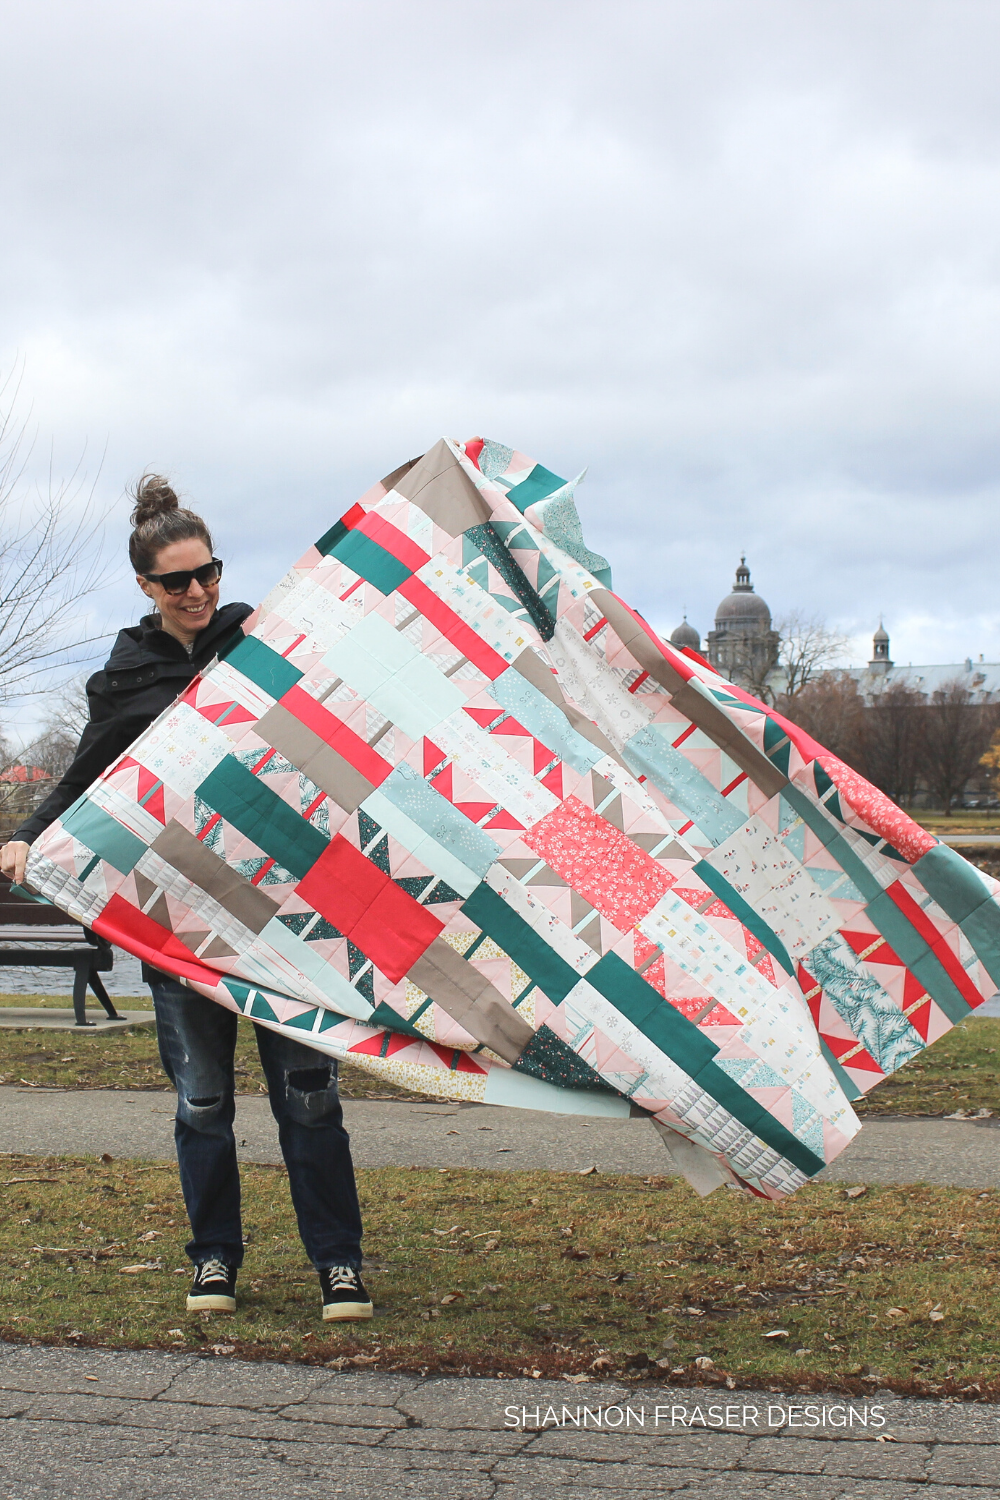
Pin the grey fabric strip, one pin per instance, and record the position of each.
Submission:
(246, 902)
(391, 480)
(471, 1000)
(443, 490)
(708, 716)
(314, 757)
(531, 666)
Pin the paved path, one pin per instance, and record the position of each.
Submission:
(80, 1424)
(43, 1122)
(27, 1018)
(963, 840)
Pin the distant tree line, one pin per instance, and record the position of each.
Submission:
(902, 740)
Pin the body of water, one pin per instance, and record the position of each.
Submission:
(124, 979)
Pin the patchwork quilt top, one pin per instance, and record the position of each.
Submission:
(448, 808)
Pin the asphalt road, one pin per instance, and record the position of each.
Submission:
(384, 1133)
(129, 1425)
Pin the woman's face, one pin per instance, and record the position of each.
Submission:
(183, 615)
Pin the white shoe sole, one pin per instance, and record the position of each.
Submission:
(344, 1312)
(214, 1302)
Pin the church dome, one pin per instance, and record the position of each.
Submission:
(881, 634)
(686, 635)
(743, 606)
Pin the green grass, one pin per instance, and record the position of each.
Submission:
(960, 1072)
(65, 1002)
(128, 1059)
(516, 1272)
(962, 820)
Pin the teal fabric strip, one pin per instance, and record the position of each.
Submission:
(679, 1039)
(243, 800)
(955, 885)
(553, 975)
(676, 1036)
(101, 833)
(834, 841)
(740, 908)
(539, 483)
(358, 552)
(329, 539)
(907, 943)
(263, 666)
(958, 889)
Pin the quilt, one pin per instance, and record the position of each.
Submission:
(448, 808)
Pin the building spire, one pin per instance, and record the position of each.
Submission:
(880, 648)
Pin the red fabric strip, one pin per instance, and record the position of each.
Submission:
(336, 734)
(132, 930)
(433, 608)
(392, 540)
(361, 901)
(937, 944)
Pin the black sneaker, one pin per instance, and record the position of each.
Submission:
(344, 1295)
(213, 1288)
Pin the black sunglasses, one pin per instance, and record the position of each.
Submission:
(179, 583)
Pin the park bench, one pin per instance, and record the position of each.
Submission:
(36, 934)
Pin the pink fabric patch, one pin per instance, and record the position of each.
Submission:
(882, 816)
(621, 880)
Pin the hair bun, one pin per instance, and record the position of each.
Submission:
(153, 497)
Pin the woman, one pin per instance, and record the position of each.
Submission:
(172, 553)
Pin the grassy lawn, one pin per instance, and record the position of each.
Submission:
(960, 1072)
(962, 820)
(128, 1059)
(506, 1272)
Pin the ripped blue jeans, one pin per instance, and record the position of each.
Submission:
(197, 1042)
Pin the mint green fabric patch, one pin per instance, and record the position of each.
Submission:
(104, 835)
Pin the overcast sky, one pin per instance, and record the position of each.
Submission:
(740, 259)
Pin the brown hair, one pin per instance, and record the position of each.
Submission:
(158, 520)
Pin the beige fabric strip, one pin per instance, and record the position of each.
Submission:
(247, 902)
(708, 716)
(443, 490)
(314, 757)
(531, 666)
(471, 1000)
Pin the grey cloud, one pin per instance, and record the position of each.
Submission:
(741, 259)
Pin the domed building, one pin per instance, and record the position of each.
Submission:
(743, 646)
(686, 635)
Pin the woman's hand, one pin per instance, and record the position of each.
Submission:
(13, 858)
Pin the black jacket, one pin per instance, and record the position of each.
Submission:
(146, 671)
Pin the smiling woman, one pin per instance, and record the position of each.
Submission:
(171, 551)
(151, 664)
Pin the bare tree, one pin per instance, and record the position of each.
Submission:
(807, 649)
(28, 771)
(50, 560)
(958, 727)
(831, 709)
(893, 740)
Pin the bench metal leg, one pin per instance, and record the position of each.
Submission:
(97, 985)
(81, 976)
